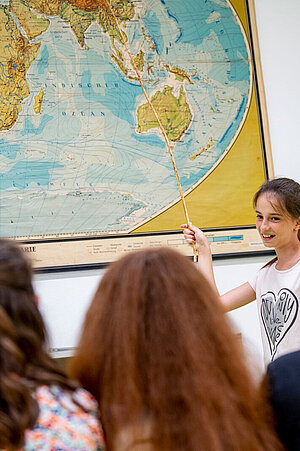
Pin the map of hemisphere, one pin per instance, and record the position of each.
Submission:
(81, 151)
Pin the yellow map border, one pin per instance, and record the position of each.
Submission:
(224, 198)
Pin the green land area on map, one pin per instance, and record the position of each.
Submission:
(16, 57)
(174, 114)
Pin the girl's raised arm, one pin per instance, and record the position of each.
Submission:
(234, 298)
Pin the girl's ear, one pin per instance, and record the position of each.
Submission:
(36, 298)
(297, 227)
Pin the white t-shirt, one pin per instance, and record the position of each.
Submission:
(278, 298)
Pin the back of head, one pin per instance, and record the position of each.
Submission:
(156, 351)
(24, 363)
(16, 291)
(17, 308)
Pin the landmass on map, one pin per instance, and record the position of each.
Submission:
(49, 8)
(16, 57)
(30, 22)
(181, 75)
(124, 11)
(78, 19)
(140, 60)
(208, 146)
(174, 113)
(119, 62)
(80, 14)
(18, 54)
(83, 133)
(38, 100)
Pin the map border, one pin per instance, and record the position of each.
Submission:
(94, 250)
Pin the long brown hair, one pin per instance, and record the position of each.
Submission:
(24, 362)
(156, 348)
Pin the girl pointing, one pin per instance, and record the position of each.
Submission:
(277, 285)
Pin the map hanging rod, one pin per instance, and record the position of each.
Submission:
(155, 114)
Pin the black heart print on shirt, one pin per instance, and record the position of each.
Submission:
(278, 314)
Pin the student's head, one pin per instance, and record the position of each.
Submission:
(17, 299)
(284, 193)
(24, 363)
(156, 349)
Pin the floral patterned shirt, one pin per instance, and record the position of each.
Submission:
(67, 421)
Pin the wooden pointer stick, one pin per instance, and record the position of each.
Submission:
(157, 118)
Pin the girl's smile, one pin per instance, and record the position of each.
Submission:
(275, 226)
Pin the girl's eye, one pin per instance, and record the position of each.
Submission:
(275, 219)
(259, 216)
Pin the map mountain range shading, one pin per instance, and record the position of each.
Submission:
(88, 5)
(81, 152)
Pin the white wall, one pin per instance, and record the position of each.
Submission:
(64, 297)
(278, 24)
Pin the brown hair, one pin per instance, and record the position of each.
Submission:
(24, 362)
(156, 347)
(287, 193)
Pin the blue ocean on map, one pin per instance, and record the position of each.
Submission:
(82, 164)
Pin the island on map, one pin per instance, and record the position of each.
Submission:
(174, 114)
(208, 146)
(38, 100)
(181, 75)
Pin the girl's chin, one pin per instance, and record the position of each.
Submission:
(268, 242)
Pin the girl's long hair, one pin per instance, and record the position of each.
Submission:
(24, 362)
(156, 349)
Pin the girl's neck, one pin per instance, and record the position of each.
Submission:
(288, 257)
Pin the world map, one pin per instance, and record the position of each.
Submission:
(81, 152)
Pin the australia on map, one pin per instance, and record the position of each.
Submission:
(81, 151)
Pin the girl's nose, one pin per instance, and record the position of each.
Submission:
(264, 224)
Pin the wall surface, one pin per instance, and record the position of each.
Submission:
(64, 297)
(279, 35)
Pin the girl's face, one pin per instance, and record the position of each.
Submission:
(276, 228)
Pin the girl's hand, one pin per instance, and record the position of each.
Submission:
(193, 235)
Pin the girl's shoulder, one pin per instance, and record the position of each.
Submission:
(67, 420)
(269, 263)
(267, 268)
(270, 269)
(61, 399)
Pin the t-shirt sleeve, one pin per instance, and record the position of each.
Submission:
(253, 281)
